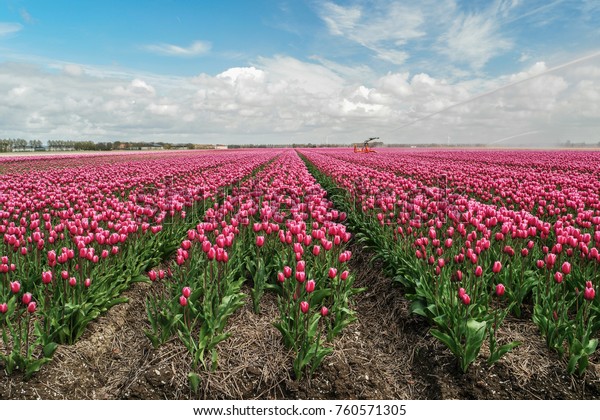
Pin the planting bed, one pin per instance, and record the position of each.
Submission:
(308, 274)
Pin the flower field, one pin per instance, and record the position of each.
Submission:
(289, 268)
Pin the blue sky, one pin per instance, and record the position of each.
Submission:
(272, 71)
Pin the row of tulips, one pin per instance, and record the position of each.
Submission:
(75, 233)
(467, 260)
(278, 232)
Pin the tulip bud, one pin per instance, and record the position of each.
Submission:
(497, 267)
(316, 250)
(478, 271)
(466, 299)
(152, 275)
(310, 286)
(566, 267)
(332, 272)
(280, 277)
(72, 282)
(260, 241)
(183, 301)
(324, 311)
(304, 307)
(26, 298)
(300, 276)
(3, 308)
(87, 283)
(15, 286)
(300, 266)
(344, 275)
(31, 307)
(186, 292)
(589, 293)
(47, 277)
(287, 272)
(558, 276)
(500, 289)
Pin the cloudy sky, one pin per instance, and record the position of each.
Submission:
(505, 72)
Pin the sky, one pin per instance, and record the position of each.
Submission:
(502, 73)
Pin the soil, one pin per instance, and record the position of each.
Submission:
(387, 354)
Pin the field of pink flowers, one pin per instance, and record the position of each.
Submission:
(470, 238)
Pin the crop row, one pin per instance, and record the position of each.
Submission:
(469, 251)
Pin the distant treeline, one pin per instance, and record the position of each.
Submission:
(15, 145)
(570, 145)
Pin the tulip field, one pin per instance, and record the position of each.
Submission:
(474, 241)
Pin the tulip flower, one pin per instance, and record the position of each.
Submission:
(31, 307)
(15, 286)
(310, 286)
(497, 267)
(332, 272)
(26, 298)
(500, 289)
(186, 292)
(183, 301)
(324, 311)
(260, 241)
(466, 299)
(566, 268)
(3, 308)
(304, 307)
(589, 293)
(478, 271)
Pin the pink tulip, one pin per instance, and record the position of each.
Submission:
(87, 283)
(15, 287)
(466, 299)
(566, 267)
(260, 241)
(47, 277)
(497, 267)
(324, 311)
(332, 272)
(31, 307)
(26, 298)
(589, 293)
(3, 308)
(310, 286)
(186, 292)
(183, 301)
(304, 307)
(478, 271)
(500, 289)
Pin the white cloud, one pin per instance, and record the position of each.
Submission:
(383, 28)
(7, 28)
(73, 69)
(195, 49)
(280, 98)
(474, 39)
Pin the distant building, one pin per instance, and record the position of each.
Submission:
(151, 146)
(221, 147)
